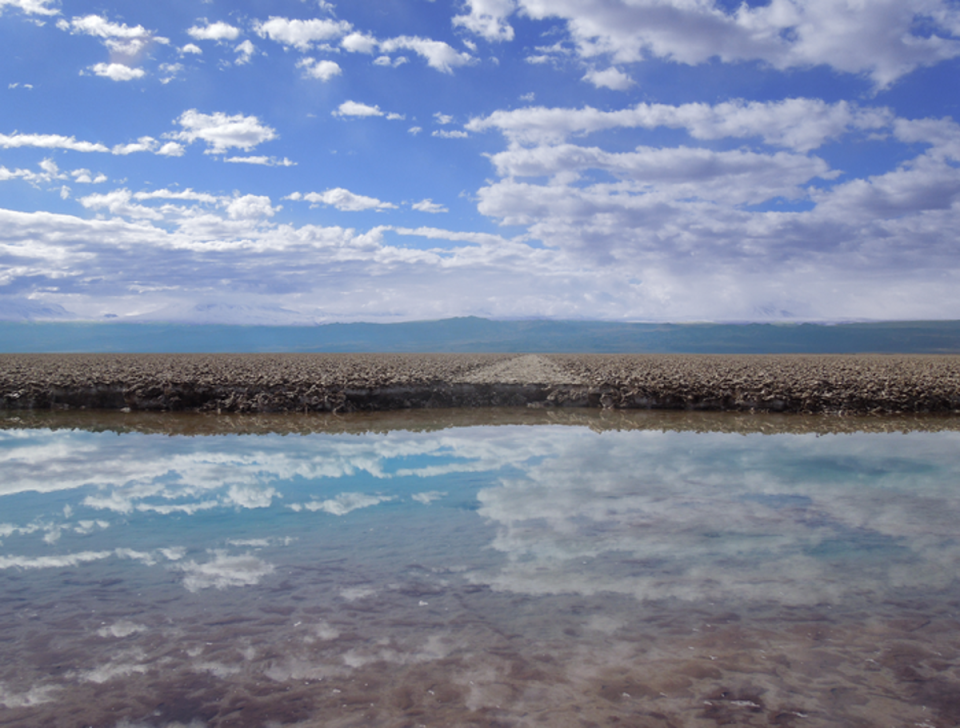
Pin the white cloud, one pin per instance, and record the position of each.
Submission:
(343, 200)
(213, 31)
(49, 141)
(245, 51)
(322, 70)
(455, 134)
(171, 149)
(84, 176)
(438, 55)
(801, 124)
(430, 206)
(442, 118)
(143, 144)
(119, 202)
(355, 108)
(126, 44)
(611, 78)
(301, 34)
(359, 43)
(247, 207)
(117, 71)
(487, 18)
(49, 172)
(414, 130)
(388, 62)
(191, 48)
(31, 7)
(187, 194)
(221, 131)
(170, 71)
(872, 37)
(263, 161)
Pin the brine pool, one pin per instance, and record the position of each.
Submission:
(482, 568)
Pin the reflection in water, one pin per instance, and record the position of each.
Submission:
(539, 569)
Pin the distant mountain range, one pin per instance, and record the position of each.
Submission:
(483, 335)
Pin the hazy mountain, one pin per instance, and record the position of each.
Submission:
(479, 335)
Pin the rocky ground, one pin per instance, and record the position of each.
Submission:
(835, 384)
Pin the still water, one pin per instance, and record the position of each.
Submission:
(495, 568)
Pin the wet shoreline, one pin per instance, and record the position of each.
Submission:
(340, 383)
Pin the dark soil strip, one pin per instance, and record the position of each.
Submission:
(835, 384)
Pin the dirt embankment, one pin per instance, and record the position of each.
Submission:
(837, 384)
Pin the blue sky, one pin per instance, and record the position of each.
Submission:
(294, 161)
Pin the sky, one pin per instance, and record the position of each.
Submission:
(309, 161)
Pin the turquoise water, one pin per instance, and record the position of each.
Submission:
(405, 570)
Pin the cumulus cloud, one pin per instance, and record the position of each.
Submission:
(171, 149)
(170, 71)
(221, 131)
(878, 39)
(31, 7)
(359, 43)
(143, 144)
(722, 228)
(119, 202)
(191, 48)
(187, 194)
(322, 70)
(85, 176)
(126, 44)
(800, 123)
(343, 200)
(49, 172)
(301, 34)
(213, 31)
(49, 141)
(245, 51)
(611, 78)
(355, 108)
(438, 55)
(262, 161)
(429, 205)
(247, 207)
(117, 71)
(488, 19)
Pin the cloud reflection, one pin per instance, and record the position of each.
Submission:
(798, 520)
(794, 518)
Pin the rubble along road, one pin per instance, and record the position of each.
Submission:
(834, 384)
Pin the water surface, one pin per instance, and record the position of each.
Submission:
(478, 568)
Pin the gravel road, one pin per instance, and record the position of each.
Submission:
(836, 384)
